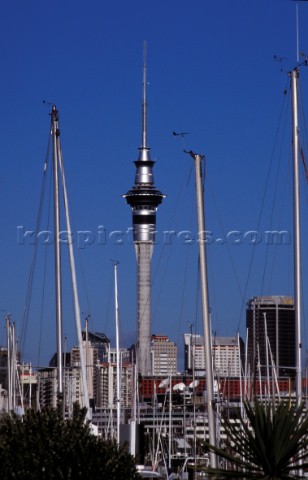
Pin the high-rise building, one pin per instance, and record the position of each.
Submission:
(91, 360)
(144, 199)
(72, 381)
(99, 341)
(271, 318)
(95, 349)
(164, 356)
(106, 391)
(227, 354)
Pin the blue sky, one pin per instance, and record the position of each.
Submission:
(211, 72)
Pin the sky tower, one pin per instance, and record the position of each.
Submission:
(144, 199)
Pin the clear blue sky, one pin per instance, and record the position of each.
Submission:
(211, 72)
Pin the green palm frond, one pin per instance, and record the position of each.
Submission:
(267, 442)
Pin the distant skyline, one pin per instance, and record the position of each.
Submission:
(217, 70)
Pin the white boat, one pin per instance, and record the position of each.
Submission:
(147, 472)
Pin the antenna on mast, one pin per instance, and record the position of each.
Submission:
(297, 30)
(297, 35)
(144, 99)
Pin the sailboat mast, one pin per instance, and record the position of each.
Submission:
(9, 364)
(296, 220)
(58, 284)
(117, 349)
(83, 363)
(205, 307)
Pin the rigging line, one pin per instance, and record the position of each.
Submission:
(162, 249)
(305, 143)
(74, 281)
(221, 224)
(304, 130)
(184, 184)
(224, 235)
(304, 163)
(108, 306)
(227, 244)
(198, 294)
(34, 256)
(121, 330)
(207, 249)
(83, 277)
(214, 296)
(275, 194)
(167, 262)
(286, 188)
(182, 296)
(164, 278)
(74, 229)
(72, 216)
(44, 276)
(259, 218)
(281, 210)
(203, 171)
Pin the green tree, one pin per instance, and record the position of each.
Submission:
(41, 445)
(266, 442)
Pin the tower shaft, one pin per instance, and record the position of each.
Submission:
(144, 199)
(143, 251)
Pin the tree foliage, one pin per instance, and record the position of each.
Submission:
(42, 445)
(266, 442)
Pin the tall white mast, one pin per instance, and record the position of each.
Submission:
(205, 306)
(296, 221)
(9, 364)
(58, 164)
(118, 399)
(58, 282)
(75, 291)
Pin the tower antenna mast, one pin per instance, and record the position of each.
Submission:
(144, 200)
(144, 100)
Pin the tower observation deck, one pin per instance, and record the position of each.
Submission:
(144, 198)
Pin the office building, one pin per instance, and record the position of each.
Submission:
(106, 381)
(227, 354)
(270, 324)
(164, 356)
